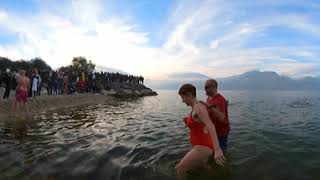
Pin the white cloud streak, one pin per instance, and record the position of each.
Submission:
(208, 37)
(108, 42)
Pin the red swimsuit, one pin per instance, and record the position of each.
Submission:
(197, 134)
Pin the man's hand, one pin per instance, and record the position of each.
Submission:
(204, 103)
(209, 106)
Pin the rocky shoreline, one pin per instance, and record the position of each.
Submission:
(130, 93)
(129, 90)
(54, 102)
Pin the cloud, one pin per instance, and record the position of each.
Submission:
(228, 52)
(108, 42)
(209, 36)
(214, 44)
(3, 16)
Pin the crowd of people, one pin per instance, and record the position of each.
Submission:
(67, 82)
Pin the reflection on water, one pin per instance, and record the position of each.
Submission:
(274, 136)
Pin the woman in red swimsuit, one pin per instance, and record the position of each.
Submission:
(203, 136)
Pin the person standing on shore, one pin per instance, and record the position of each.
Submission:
(203, 136)
(34, 84)
(50, 83)
(65, 83)
(8, 80)
(22, 91)
(39, 83)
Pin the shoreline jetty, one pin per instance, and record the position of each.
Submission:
(72, 85)
(47, 102)
(135, 90)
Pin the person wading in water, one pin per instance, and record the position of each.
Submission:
(203, 135)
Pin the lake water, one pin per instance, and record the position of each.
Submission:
(274, 135)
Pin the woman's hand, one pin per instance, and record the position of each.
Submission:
(219, 157)
(185, 120)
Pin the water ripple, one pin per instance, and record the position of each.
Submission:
(145, 138)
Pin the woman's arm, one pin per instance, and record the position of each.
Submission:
(202, 113)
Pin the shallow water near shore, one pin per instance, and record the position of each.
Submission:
(274, 135)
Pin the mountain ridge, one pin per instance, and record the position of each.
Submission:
(251, 80)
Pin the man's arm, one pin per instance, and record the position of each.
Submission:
(217, 113)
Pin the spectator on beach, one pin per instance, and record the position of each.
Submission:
(81, 83)
(94, 82)
(8, 81)
(83, 77)
(60, 83)
(1, 78)
(39, 84)
(141, 79)
(50, 83)
(34, 84)
(65, 83)
(55, 83)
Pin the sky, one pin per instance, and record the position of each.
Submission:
(155, 38)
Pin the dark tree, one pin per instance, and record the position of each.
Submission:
(40, 64)
(81, 64)
(21, 64)
(5, 63)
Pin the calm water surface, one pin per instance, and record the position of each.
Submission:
(274, 135)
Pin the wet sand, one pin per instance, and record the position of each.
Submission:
(55, 102)
(49, 103)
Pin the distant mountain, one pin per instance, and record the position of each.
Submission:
(268, 80)
(191, 76)
(175, 80)
(252, 80)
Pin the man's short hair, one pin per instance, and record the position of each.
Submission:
(188, 89)
(213, 82)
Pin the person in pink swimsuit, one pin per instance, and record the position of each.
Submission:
(203, 135)
(22, 91)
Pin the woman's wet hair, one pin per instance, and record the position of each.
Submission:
(188, 89)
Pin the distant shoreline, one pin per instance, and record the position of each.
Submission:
(54, 102)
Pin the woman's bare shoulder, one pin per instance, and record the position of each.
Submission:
(200, 107)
